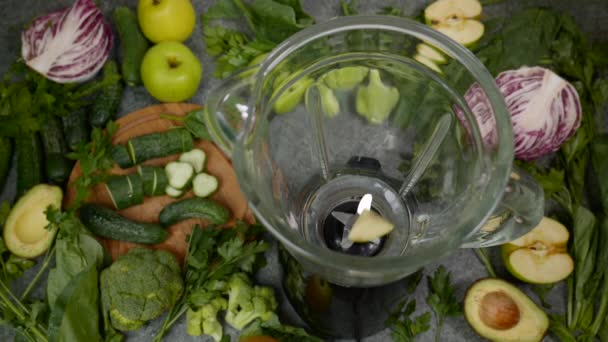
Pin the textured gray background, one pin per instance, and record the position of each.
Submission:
(591, 15)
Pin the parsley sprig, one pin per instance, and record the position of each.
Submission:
(441, 298)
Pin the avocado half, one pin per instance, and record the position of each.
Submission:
(25, 231)
(499, 311)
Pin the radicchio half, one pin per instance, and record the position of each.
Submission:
(70, 45)
(545, 110)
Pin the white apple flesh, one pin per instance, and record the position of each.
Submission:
(456, 19)
(540, 257)
(369, 226)
(428, 62)
(431, 53)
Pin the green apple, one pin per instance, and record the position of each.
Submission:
(431, 53)
(540, 257)
(171, 72)
(456, 19)
(428, 62)
(164, 20)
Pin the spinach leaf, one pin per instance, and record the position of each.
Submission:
(584, 247)
(75, 315)
(599, 158)
(71, 260)
(275, 21)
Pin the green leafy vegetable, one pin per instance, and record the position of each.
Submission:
(278, 331)
(194, 122)
(441, 298)
(404, 327)
(75, 314)
(214, 254)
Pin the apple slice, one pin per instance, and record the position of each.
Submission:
(369, 226)
(431, 53)
(540, 257)
(466, 32)
(456, 19)
(443, 11)
(428, 62)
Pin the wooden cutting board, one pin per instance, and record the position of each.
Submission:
(148, 120)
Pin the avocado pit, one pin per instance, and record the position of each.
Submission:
(499, 311)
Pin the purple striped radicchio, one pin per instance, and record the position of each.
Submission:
(70, 45)
(545, 110)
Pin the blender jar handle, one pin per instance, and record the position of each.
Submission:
(520, 210)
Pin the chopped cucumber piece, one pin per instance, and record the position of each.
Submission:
(125, 191)
(154, 179)
(173, 192)
(204, 185)
(196, 158)
(179, 174)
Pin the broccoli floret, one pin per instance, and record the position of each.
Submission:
(247, 303)
(376, 101)
(139, 286)
(204, 320)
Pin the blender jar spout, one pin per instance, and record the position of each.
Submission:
(228, 108)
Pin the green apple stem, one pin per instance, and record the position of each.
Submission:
(485, 260)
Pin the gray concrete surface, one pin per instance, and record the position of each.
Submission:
(590, 14)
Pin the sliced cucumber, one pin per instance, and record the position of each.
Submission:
(179, 174)
(156, 145)
(125, 191)
(195, 157)
(121, 156)
(173, 192)
(154, 180)
(204, 185)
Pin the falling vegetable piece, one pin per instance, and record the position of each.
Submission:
(345, 78)
(376, 101)
(369, 226)
(68, 46)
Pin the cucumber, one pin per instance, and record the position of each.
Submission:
(154, 180)
(179, 174)
(121, 156)
(194, 207)
(204, 185)
(108, 100)
(195, 157)
(133, 44)
(125, 191)
(6, 153)
(57, 166)
(107, 223)
(29, 162)
(156, 145)
(76, 128)
(173, 192)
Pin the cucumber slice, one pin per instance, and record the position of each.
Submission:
(196, 158)
(156, 145)
(204, 185)
(125, 191)
(154, 180)
(179, 174)
(121, 156)
(173, 192)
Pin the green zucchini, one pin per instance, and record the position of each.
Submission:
(154, 180)
(29, 161)
(57, 166)
(76, 128)
(133, 44)
(108, 100)
(107, 223)
(121, 156)
(156, 145)
(6, 153)
(194, 207)
(125, 191)
(204, 185)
